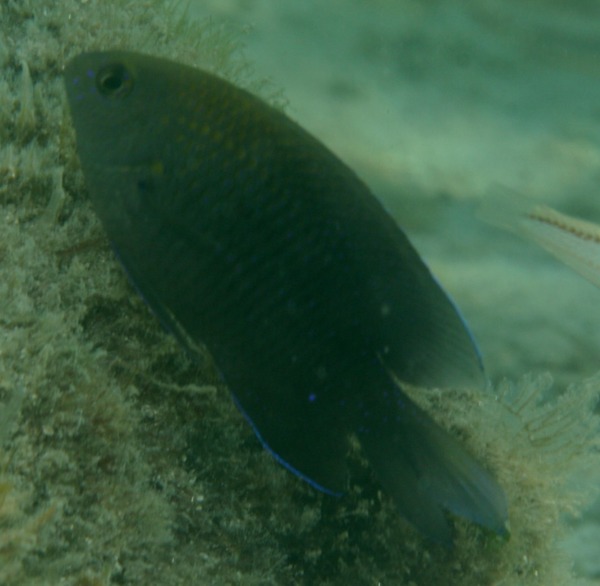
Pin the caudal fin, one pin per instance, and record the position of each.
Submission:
(427, 471)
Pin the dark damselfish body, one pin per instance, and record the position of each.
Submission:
(246, 234)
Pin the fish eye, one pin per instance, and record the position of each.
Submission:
(114, 81)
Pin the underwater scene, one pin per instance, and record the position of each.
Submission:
(299, 292)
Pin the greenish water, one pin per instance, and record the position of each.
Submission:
(122, 462)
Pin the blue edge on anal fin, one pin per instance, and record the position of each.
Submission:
(279, 459)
